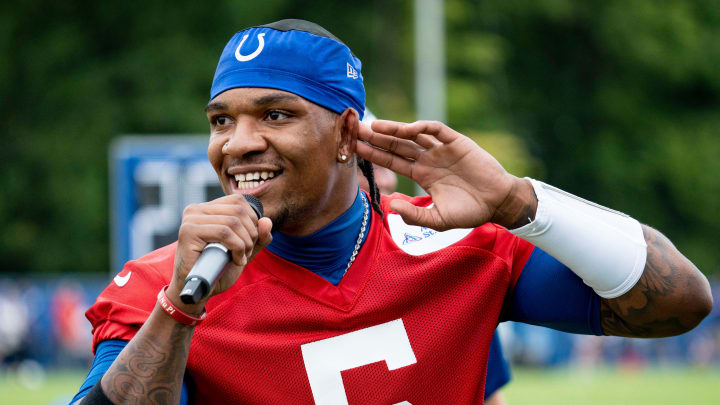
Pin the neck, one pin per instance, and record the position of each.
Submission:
(327, 251)
(339, 196)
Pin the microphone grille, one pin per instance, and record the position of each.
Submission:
(255, 204)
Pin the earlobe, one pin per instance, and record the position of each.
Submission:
(347, 133)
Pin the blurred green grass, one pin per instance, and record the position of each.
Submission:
(647, 386)
(603, 386)
(55, 387)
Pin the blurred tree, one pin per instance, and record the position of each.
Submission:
(616, 100)
(76, 74)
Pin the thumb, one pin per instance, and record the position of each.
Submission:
(264, 235)
(413, 215)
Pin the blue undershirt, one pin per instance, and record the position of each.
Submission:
(327, 251)
(549, 294)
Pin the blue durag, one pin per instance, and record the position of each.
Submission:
(295, 56)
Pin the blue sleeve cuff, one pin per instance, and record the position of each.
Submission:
(106, 353)
(549, 294)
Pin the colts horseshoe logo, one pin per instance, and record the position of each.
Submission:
(244, 58)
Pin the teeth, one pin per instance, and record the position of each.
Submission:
(245, 180)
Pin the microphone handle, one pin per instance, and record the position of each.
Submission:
(211, 263)
(204, 273)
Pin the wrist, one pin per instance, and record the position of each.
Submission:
(176, 313)
(519, 207)
(173, 294)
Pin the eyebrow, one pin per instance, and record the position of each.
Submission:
(262, 101)
(215, 106)
(274, 98)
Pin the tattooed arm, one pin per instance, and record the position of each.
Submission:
(150, 368)
(671, 297)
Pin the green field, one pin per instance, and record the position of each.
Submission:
(612, 386)
(57, 387)
(537, 387)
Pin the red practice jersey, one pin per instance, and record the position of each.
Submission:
(410, 322)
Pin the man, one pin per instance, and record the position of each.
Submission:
(360, 299)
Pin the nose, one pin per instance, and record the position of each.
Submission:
(245, 140)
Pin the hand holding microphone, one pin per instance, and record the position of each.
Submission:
(211, 263)
(217, 239)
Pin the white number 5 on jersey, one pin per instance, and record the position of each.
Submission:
(325, 359)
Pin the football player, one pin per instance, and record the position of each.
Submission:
(339, 296)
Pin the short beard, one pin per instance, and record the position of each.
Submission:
(280, 218)
(289, 215)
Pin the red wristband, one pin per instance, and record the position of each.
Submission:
(175, 313)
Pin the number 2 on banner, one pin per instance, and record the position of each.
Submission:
(325, 359)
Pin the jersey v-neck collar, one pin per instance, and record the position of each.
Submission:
(342, 296)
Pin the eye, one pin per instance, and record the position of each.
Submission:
(220, 120)
(275, 115)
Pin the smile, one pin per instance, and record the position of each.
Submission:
(253, 179)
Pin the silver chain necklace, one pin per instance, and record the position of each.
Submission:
(366, 214)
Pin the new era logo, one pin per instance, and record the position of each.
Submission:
(351, 72)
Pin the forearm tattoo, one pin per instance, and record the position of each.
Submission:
(150, 368)
(653, 308)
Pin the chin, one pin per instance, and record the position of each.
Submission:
(279, 213)
(279, 220)
(287, 217)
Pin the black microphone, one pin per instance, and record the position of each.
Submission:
(211, 263)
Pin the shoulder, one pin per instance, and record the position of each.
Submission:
(124, 305)
(153, 270)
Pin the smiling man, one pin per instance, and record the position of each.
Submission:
(339, 296)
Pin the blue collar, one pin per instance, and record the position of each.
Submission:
(327, 251)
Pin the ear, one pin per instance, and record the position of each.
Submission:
(347, 132)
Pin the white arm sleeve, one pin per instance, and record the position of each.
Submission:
(605, 248)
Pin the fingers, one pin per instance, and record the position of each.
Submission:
(406, 147)
(386, 159)
(231, 232)
(234, 210)
(235, 200)
(398, 146)
(420, 216)
(234, 225)
(435, 129)
(403, 147)
(194, 237)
